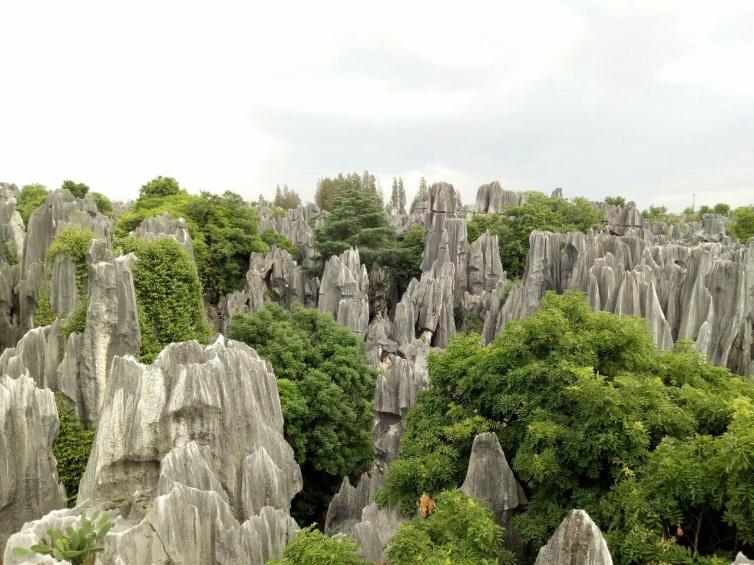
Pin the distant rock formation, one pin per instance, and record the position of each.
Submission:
(577, 541)
(493, 199)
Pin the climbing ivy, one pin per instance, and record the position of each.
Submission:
(71, 448)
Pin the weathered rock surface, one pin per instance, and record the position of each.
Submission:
(28, 472)
(165, 225)
(741, 559)
(346, 507)
(194, 446)
(11, 247)
(38, 354)
(493, 199)
(343, 292)
(577, 541)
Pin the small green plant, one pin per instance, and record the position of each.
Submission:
(77, 546)
(312, 547)
(44, 314)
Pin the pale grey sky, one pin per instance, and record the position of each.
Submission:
(651, 100)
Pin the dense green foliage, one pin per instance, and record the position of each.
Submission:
(168, 295)
(461, 531)
(404, 257)
(591, 415)
(615, 200)
(286, 198)
(31, 197)
(223, 231)
(44, 315)
(271, 237)
(78, 547)
(78, 189)
(541, 213)
(312, 547)
(356, 220)
(326, 389)
(104, 206)
(74, 242)
(330, 190)
(743, 223)
(71, 448)
(397, 200)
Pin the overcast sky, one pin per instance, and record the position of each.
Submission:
(651, 100)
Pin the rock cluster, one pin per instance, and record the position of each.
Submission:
(192, 449)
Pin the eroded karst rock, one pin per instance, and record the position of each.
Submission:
(493, 199)
(343, 292)
(192, 449)
(165, 225)
(577, 541)
(29, 485)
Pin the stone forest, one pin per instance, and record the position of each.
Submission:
(526, 378)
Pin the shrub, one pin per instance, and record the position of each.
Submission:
(168, 296)
(743, 223)
(460, 530)
(160, 186)
(312, 547)
(78, 189)
(326, 388)
(271, 237)
(77, 546)
(104, 206)
(71, 448)
(44, 315)
(31, 197)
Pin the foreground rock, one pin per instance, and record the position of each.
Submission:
(577, 541)
(191, 448)
(28, 472)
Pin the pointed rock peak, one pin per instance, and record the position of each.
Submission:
(577, 541)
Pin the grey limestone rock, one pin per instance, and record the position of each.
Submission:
(493, 199)
(165, 226)
(375, 530)
(343, 292)
(741, 559)
(577, 541)
(346, 507)
(28, 472)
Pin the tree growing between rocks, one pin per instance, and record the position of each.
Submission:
(30, 198)
(78, 189)
(286, 198)
(743, 223)
(326, 389)
(653, 444)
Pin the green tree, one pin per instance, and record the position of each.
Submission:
(540, 212)
(592, 415)
(743, 223)
(71, 448)
(286, 198)
(326, 389)
(330, 189)
(401, 196)
(78, 189)
(312, 547)
(393, 203)
(461, 531)
(615, 200)
(160, 186)
(168, 296)
(421, 196)
(356, 220)
(655, 213)
(405, 256)
(721, 208)
(31, 197)
(104, 206)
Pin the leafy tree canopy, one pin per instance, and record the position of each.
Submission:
(655, 445)
(615, 200)
(540, 212)
(356, 220)
(223, 231)
(326, 389)
(286, 198)
(31, 197)
(104, 206)
(743, 223)
(329, 190)
(71, 448)
(461, 531)
(78, 189)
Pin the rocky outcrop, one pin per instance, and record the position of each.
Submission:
(619, 219)
(191, 448)
(275, 275)
(493, 199)
(346, 507)
(343, 292)
(37, 354)
(577, 541)
(59, 211)
(702, 292)
(28, 472)
(11, 247)
(741, 559)
(375, 530)
(165, 225)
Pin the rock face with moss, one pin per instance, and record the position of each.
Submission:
(577, 541)
(192, 449)
(28, 474)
